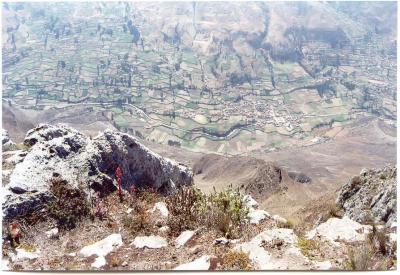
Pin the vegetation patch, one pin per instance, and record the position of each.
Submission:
(236, 260)
(69, 205)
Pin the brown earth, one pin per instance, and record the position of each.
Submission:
(367, 142)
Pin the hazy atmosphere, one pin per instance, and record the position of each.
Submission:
(199, 135)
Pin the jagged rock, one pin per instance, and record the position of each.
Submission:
(343, 229)
(7, 143)
(103, 247)
(250, 202)
(149, 242)
(88, 164)
(202, 263)
(299, 177)
(371, 197)
(184, 237)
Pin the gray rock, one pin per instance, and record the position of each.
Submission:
(6, 142)
(371, 197)
(88, 164)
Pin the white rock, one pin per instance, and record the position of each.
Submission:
(325, 265)
(260, 258)
(52, 233)
(393, 225)
(164, 229)
(392, 237)
(17, 157)
(73, 254)
(22, 254)
(4, 264)
(5, 173)
(278, 218)
(149, 242)
(99, 262)
(6, 142)
(162, 208)
(250, 202)
(221, 241)
(289, 256)
(344, 229)
(256, 216)
(183, 238)
(202, 263)
(103, 247)
(129, 210)
(59, 149)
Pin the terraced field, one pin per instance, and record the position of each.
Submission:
(204, 76)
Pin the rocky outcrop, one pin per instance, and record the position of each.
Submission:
(6, 142)
(254, 176)
(371, 196)
(88, 164)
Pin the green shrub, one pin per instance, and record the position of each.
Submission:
(225, 211)
(22, 146)
(69, 205)
(184, 209)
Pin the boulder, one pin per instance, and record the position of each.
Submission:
(371, 196)
(202, 263)
(149, 242)
(184, 237)
(256, 216)
(99, 262)
(250, 202)
(344, 229)
(161, 208)
(275, 249)
(88, 164)
(22, 254)
(103, 247)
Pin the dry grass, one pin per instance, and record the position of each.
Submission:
(309, 248)
(236, 260)
(69, 206)
(289, 224)
(359, 259)
(183, 209)
(378, 241)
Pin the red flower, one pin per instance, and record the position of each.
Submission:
(118, 175)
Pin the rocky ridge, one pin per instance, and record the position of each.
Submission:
(371, 196)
